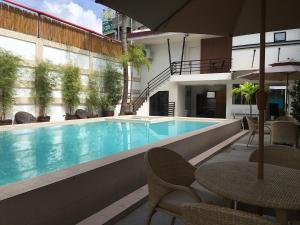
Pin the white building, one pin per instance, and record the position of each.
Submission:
(203, 85)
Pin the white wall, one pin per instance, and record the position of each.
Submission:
(30, 49)
(242, 58)
(160, 57)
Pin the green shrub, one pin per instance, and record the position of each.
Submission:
(44, 83)
(112, 85)
(295, 104)
(8, 74)
(71, 86)
(93, 101)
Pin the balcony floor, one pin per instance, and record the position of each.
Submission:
(236, 152)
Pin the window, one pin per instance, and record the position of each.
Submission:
(279, 36)
(239, 99)
(211, 94)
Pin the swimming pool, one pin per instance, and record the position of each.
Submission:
(26, 153)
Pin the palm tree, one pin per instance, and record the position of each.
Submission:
(247, 90)
(125, 21)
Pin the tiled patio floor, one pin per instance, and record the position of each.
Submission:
(236, 152)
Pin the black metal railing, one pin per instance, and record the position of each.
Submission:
(221, 65)
(179, 68)
(151, 86)
(171, 108)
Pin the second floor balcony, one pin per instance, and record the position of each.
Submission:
(220, 65)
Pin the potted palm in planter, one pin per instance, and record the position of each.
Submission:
(93, 101)
(112, 88)
(71, 87)
(44, 82)
(8, 74)
(295, 104)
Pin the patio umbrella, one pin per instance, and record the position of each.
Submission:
(280, 71)
(217, 17)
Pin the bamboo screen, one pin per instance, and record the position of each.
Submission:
(18, 20)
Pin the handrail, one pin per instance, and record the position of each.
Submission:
(59, 19)
(216, 65)
(151, 85)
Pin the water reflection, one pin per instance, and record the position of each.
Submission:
(27, 153)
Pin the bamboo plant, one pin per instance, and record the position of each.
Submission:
(71, 86)
(44, 84)
(93, 101)
(112, 87)
(8, 75)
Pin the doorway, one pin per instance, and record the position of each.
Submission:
(159, 103)
(207, 101)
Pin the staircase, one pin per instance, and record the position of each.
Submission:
(151, 86)
(219, 65)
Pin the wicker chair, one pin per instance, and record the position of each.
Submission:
(253, 129)
(205, 214)
(169, 178)
(284, 132)
(286, 118)
(279, 155)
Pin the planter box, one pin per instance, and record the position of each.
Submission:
(109, 113)
(93, 116)
(43, 118)
(130, 113)
(71, 117)
(5, 122)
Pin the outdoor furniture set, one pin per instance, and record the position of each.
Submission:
(284, 130)
(170, 178)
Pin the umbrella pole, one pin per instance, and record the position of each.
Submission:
(261, 94)
(287, 95)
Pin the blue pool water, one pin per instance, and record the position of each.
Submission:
(27, 153)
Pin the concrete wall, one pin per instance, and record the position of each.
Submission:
(32, 50)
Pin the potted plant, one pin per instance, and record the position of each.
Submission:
(248, 91)
(8, 74)
(93, 100)
(44, 82)
(295, 104)
(112, 88)
(71, 87)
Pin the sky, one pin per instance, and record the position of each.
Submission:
(85, 13)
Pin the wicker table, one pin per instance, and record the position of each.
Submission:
(238, 181)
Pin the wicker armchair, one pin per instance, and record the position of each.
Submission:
(205, 214)
(284, 132)
(253, 128)
(286, 118)
(279, 155)
(169, 178)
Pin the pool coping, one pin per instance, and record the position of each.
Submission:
(20, 187)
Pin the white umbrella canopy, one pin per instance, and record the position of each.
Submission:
(217, 17)
(280, 71)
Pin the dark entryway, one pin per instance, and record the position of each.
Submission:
(159, 104)
(206, 101)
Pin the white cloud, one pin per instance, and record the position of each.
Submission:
(72, 12)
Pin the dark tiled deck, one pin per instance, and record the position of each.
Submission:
(236, 152)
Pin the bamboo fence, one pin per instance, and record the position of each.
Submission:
(23, 21)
